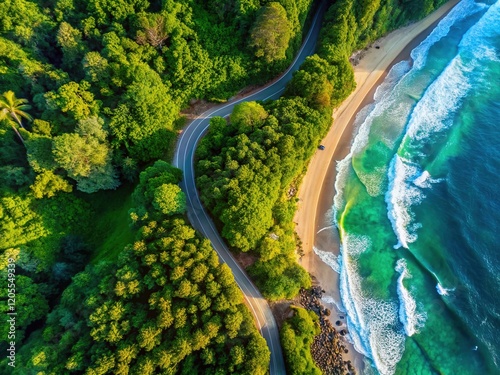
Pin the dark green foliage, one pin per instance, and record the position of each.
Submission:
(135, 63)
(32, 231)
(30, 305)
(297, 335)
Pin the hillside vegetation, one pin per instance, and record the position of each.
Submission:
(166, 306)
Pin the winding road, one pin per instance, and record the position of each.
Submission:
(184, 159)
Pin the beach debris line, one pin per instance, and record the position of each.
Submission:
(328, 347)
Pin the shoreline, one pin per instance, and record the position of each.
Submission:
(314, 202)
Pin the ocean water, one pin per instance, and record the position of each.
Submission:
(418, 206)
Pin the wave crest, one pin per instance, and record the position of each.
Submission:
(411, 319)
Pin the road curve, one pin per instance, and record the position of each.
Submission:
(184, 160)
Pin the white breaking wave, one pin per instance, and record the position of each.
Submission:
(364, 119)
(328, 258)
(462, 10)
(485, 29)
(425, 180)
(375, 326)
(372, 323)
(397, 71)
(399, 197)
(433, 114)
(442, 291)
(411, 319)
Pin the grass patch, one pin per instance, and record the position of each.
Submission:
(110, 227)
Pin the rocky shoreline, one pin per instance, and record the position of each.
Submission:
(328, 348)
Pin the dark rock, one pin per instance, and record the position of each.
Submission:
(326, 349)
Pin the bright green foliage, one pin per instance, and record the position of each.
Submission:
(73, 99)
(280, 277)
(70, 41)
(137, 316)
(271, 33)
(41, 127)
(248, 115)
(169, 199)
(155, 29)
(297, 335)
(36, 226)
(79, 155)
(242, 168)
(144, 119)
(108, 11)
(19, 224)
(86, 157)
(95, 67)
(47, 184)
(157, 191)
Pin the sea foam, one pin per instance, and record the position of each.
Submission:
(442, 291)
(462, 10)
(433, 114)
(328, 258)
(399, 197)
(372, 323)
(411, 319)
(435, 111)
(332, 301)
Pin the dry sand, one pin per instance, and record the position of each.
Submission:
(317, 189)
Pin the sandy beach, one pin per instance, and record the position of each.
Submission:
(317, 189)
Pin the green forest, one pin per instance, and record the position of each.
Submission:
(91, 94)
(110, 276)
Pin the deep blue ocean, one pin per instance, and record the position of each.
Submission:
(418, 206)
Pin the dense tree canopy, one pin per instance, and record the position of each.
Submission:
(167, 306)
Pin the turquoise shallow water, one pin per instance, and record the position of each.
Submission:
(418, 206)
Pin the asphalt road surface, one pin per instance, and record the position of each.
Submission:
(184, 159)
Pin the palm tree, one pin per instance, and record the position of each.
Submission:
(14, 108)
(4, 116)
